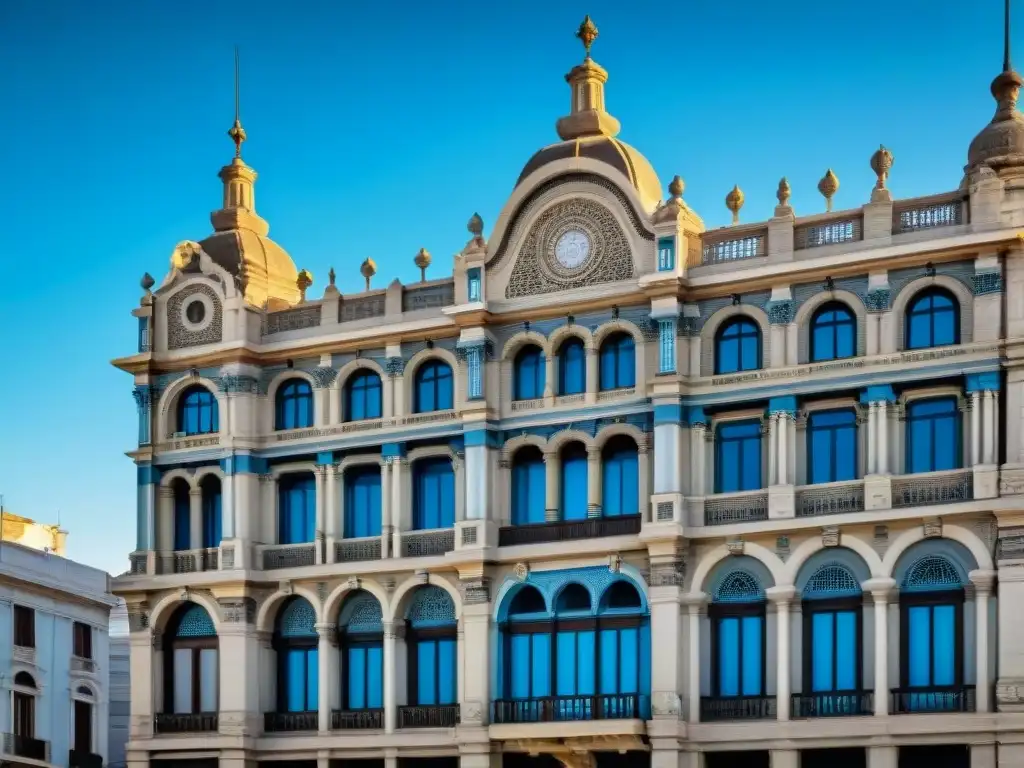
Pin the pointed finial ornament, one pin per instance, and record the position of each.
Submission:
(475, 225)
(147, 282)
(828, 186)
(422, 261)
(783, 193)
(881, 164)
(330, 276)
(368, 269)
(302, 282)
(734, 201)
(587, 33)
(237, 132)
(676, 187)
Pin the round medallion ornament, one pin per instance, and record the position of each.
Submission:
(572, 249)
(521, 571)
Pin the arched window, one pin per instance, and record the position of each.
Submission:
(617, 361)
(431, 643)
(211, 490)
(738, 346)
(933, 435)
(833, 332)
(361, 636)
(572, 367)
(363, 396)
(197, 411)
(529, 374)
(293, 405)
(574, 482)
(24, 701)
(620, 477)
(738, 456)
(931, 636)
(832, 446)
(190, 664)
(932, 320)
(433, 504)
(83, 722)
(182, 523)
(296, 509)
(737, 614)
(576, 663)
(295, 641)
(362, 501)
(528, 484)
(434, 387)
(832, 603)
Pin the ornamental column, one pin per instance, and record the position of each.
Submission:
(551, 467)
(593, 482)
(975, 418)
(386, 526)
(882, 441)
(696, 607)
(781, 597)
(331, 506)
(195, 518)
(325, 633)
(698, 451)
(982, 581)
(988, 411)
(389, 676)
(593, 379)
(872, 439)
(880, 590)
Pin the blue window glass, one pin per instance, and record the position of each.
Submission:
(620, 478)
(834, 649)
(932, 645)
(932, 320)
(530, 665)
(365, 673)
(738, 459)
(528, 483)
(576, 663)
(297, 509)
(473, 286)
(295, 640)
(833, 333)
(738, 346)
(933, 435)
(572, 367)
(574, 482)
(362, 502)
(666, 254)
(529, 374)
(740, 656)
(435, 671)
(182, 517)
(294, 405)
(433, 387)
(363, 396)
(197, 411)
(617, 362)
(832, 446)
(433, 504)
(211, 513)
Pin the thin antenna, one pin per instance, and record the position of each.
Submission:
(237, 132)
(238, 115)
(1006, 37)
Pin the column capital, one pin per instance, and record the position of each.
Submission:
(165, 492)
(880, 588)
(695, 602)
(878, 393)
(982, 580)
(781, 596)
(195, 492)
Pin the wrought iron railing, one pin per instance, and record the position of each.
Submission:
(356, 550)
(844, 228)
(927, 213)
(81, 664)
(434, 716)
(291, 556)
(942, 698)
(26, 746)
(208, 558)
(426, 543)
(283, 722)
(547, 709)
(927, 488)
(832, 704)
(177, 562)
(357, 719)
(192, 722)
(733, 244)
(736, 708)
(830, 498)
(744, 507)
(571, 530)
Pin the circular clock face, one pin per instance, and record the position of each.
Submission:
(572, 249)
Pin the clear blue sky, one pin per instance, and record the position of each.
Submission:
(378, 128)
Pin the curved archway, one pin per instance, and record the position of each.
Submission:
(738, 346)
(361, 647)
(295, 642)
(191, 675)
(197, 411)
(833, 332)
(572, 366)
(432, 648)
(617, 361)
(363, 395)
(528, 493)
(293, 404)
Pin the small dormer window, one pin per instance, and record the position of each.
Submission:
(473, 290)
(666, 254)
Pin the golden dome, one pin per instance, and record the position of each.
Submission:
(268, 271)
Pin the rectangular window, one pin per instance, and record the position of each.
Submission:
(473, 287)
(933, 435)
(738, 460)
(82, 640)
(666, 254)
(434, 504)
(24, 627)
(362, 503)
(298, 510)
(834, 651)
(932, 645)
(435, 669)
(832, 438)
(365, 677)
(83, 727)
(530, 667)
(208, 675)
(576, 663)
(667, 346)
(183, 673)
(574, 485)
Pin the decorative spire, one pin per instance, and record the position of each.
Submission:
(783, 193)
(368, 269)
(587, 116)
(881, 164)
(147, 282)
(1006, 86)
(237, 132)
(422, 261)
(475, 226)
(1007, 66)
(303, 281)
(828, 186)
(734, 201)
(676, 187)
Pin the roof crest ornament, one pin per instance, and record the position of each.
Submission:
(587, 33)
(237, 132)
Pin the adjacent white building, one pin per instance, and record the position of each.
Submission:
(54, 617)
(120, 686)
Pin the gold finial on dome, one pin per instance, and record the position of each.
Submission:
(237, 132)
(422, 261)
(587, 33)
(734, 201)
(828, 186)
(475, 225)
(783, 193)
(881, 164)
(676, 187)
(302, 282)
(368, 269)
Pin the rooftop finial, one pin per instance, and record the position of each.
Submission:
(587, 33)
(1007, 66)
(237, 132)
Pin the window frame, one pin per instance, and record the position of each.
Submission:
(23, 712)
(533, 355)
(351, 476)
(908, 432)
(347, 642)
(435, 366)
(287, 404)
(24, 626)
(282, 644)
(850, 321)
(833, 429)
(419, 505)
(930, 293)
(285, 485)
(207, 401)
(367, 382)
(933, 598)
(809, 608)
(716, 613)
(733, 322)
(719, 442)
(564, 362)
(413, 637)
(518, 498)
(81, 631)
(613, 346)
(195, 645)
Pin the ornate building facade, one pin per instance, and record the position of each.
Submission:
(621, 489)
